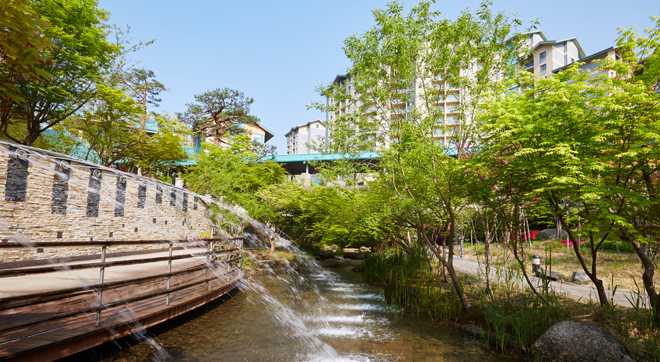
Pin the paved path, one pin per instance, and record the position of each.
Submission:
(622, 297)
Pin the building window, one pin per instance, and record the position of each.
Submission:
(543, 68)
(317, 126)
(542, 57)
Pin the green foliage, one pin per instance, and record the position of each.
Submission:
(410, 283)
(22, 48)
(234, 176)
(334, 215)
(521, 320)
(218, 113)
(142, 86)
(81, 57)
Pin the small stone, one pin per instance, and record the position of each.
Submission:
(553, 275)
(581, 277)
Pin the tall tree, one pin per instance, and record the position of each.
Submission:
(219, 113)
(78, 62)
(402, 70)
(108, 125)
(22, 48)
(144, 88)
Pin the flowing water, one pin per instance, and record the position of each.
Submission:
(320, 315)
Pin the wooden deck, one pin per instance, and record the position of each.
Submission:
(43, 321)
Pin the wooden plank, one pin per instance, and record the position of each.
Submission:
(53, 269)
(54, 344)
(65, 244)
(88, 303)
(37, 298)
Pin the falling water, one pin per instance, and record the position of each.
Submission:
(315, 315)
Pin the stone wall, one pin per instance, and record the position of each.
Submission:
(51, 197)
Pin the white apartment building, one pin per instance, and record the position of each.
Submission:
(301, 139)
(547, 57)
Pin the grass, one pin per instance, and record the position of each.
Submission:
(512, 318)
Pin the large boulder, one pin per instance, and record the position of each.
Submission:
(550, 234)
(576, 342)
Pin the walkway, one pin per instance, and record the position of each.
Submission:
(622, 297)
(46, 316)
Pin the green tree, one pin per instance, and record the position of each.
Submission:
(22, 48)
(402, 69)
(234, 176)
(144, 88)
(108, 125)
(163, 150)
(81, 57)
(585, 143)
(219, 113)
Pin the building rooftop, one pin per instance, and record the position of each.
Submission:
(590, 57)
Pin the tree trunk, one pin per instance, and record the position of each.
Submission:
(647, 278)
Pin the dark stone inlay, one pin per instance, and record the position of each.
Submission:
(120, 196)
(185, 202)
(173, 197)
(195, 201)
(142, 195)
(136, 229)
(40, 250)
(94, 194)
(159, 195)
(91, 239)
(165, 222)
(154, 220)
(60, 187)
(111, 233)
(59, 235)
(17, 173)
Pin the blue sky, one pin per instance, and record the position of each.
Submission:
(278, 52)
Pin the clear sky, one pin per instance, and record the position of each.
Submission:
(278, 52)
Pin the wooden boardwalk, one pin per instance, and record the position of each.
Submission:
(44, 315)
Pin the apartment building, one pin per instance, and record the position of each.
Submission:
(547, 57)
(300, 139)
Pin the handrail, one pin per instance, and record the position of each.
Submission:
(52, 269)
(54, 295)
(64, 244)
(105, 306)
(209, 252)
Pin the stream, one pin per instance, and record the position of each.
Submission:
(321, 315)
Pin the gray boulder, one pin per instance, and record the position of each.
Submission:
(576, 342)
(581, 277)
(550, 234)
(553, 275)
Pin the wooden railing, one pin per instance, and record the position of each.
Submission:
(222, 257)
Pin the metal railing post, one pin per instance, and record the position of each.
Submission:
(208, 267)
(100, 291)
(169, 277)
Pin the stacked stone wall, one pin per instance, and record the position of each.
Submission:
(46, 196)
